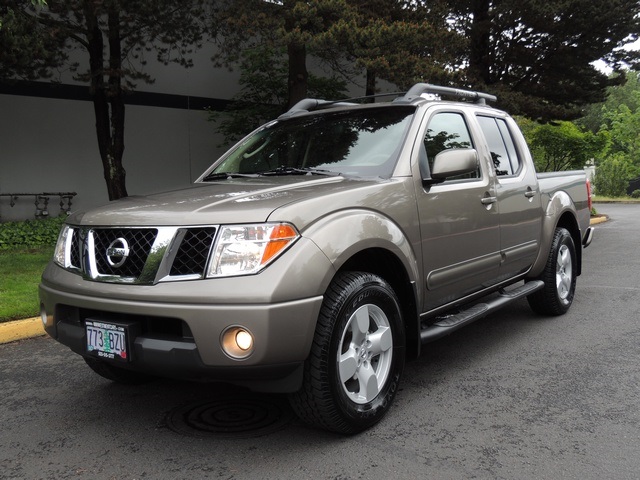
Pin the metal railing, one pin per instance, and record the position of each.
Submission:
(41, 201)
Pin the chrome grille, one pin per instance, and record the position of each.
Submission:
(139, 240)
(77, 241)
(140, 255)
(192, 255)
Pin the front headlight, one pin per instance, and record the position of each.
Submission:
(63, 247)
(247, 249)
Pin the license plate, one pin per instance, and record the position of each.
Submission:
(107, 340)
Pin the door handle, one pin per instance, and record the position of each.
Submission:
(489, 200)
(529, 193)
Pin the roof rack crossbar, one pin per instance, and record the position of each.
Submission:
(420, 88)
(309, 104)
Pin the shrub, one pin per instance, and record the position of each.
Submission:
(30, 233)
(613, 175)
(635, 194)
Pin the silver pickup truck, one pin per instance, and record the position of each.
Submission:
(321, 252)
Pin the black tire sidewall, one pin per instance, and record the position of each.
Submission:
(372, 290)
(547, 301)
(564, 238)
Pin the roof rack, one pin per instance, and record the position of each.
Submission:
(420, 88)
(309, 104)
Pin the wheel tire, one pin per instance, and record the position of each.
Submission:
(559, 277)
(353, 371)
(117, 374)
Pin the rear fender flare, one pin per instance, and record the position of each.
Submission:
(559, 205)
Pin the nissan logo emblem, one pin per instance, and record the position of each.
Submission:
(117, 252)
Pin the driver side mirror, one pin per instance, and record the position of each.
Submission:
(451, 163)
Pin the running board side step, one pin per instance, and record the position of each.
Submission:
(446, 325)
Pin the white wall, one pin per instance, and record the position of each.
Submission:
(49, 145)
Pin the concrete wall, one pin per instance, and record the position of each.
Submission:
(49, 145)
(48, 139)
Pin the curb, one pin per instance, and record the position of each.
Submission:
(598, 219)
(32, 327)
(21, 329)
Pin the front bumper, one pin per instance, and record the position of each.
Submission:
(184, 341)
(179, 325)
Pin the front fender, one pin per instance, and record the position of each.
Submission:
(343, 234)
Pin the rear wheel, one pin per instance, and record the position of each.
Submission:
(357, 356)
(559, 277)
(117, 374)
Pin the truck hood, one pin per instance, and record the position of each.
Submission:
(241, 200)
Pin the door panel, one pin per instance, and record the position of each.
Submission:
(518, 196)
(459, 220)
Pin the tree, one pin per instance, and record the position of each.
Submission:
(19, 34)
(613, 174)
(563, 146)
(537, 55)
(619, 116)
(114, 35)
(403, 42)
(263, 94)
(396, 40)
(286, 25)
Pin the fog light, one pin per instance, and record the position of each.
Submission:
(237, 342)
(244, 340)
(43, 315)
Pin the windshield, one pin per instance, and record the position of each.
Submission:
(358, 142)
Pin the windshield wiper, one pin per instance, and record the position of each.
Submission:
(282, 170)
(227, 175)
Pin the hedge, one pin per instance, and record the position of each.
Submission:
(30, 233)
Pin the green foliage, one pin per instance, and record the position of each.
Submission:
(623, 127)
(635, 194)
(26, 51)
(20, 272)
(263, 96)
(619, 119)
(562, 145)
(537, 55)
(625, 92)
(613, 175)
(30, 233)
(401, 41)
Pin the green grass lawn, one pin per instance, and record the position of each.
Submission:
(603, 199)
(20, 272)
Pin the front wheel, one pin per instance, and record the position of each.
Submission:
(357, 357)
(559, 277)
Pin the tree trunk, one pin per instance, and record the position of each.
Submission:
(480, 43)
(370, 88)
(298, 74)
(108, 102)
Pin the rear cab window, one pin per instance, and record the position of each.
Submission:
(504, 155)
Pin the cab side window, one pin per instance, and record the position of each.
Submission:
(503, 151)
(446, 131)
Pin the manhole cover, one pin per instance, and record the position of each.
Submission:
(231, 416)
